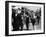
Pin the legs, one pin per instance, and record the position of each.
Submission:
(33, 26)
(38, 19)
(21, 26)
(27, 26)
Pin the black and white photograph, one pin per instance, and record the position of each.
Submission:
(25, 18)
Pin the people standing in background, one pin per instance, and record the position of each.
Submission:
(38, 18)
(27, 21)
(32, 19)
(38, 14)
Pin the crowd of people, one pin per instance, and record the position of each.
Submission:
(23, 17)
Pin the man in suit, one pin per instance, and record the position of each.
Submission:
(20, 24)
(14, 17)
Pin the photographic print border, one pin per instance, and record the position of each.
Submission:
(7, 17)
